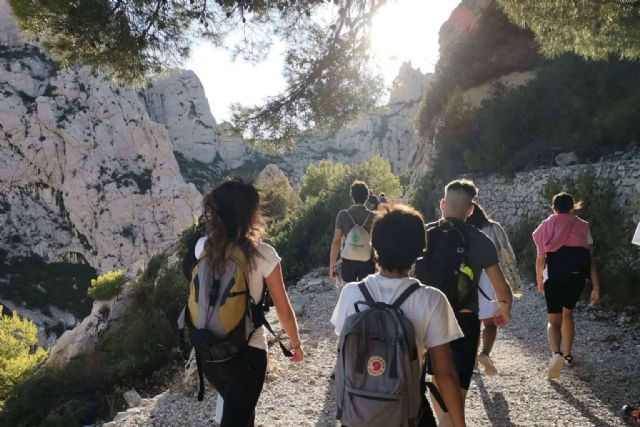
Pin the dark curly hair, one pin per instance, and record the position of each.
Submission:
(233, 216)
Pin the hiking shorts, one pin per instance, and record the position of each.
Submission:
(463, 350)
(355, 271)
(563, 294)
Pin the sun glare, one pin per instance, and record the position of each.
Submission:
(407, 30)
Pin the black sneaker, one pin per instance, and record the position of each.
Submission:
(631, 415)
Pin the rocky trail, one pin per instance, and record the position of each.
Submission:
(604, 377)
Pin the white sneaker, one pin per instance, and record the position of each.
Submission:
(489, 368)
(555, 363)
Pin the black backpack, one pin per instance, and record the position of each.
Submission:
(444, 264)
(568, 263)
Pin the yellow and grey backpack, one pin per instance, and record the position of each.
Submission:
(220, 315)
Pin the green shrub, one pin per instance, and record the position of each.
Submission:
(278, 197)
(72, 396)
(17, 337)
(148, 338)
(572, 105)
(107, 286)
(303, 238)
(143, 341)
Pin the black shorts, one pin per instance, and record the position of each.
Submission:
(463, 350)
(354, 271)
(563, 294)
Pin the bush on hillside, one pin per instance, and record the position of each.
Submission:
(148, 338)
(17, 338)
(571, 105)
(75, 395)
(278, 197)
(303, 239)
(107, 286)
(143, 341)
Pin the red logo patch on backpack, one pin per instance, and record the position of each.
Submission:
(376, 366)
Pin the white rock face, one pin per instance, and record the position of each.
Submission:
(179, 103)
(83, 339)
(84, 172)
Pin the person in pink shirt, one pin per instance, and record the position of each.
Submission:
(563, 264)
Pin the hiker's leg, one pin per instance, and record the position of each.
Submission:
(553, 331)
(463, 350)
(489, 334)
(349, 271)
(244, 378)
(568, 331)
(573, 290)
(553, 297)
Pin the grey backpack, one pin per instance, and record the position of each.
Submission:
(378, 368)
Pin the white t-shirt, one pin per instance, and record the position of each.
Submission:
(427, 308)
(265, 262)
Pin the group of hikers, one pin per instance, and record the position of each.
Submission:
(417, 300)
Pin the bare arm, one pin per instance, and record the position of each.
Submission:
(447, 379)
(595, 278)
(540, 261)
(287, 317)
(335, 250)
(504, 296)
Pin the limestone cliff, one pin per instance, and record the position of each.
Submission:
(479, 48)
(84, 170)
(207, 151)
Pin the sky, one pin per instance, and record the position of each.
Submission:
(404, 30)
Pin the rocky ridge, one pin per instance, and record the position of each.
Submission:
(207, 150)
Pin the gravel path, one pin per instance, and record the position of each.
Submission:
(605, 375)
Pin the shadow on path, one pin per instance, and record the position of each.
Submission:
(580, 406)
(611, 382)
(327, 416)
(496, 406)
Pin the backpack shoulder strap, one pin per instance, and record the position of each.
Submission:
(350, 217)
(406, 294)
(366, 219)
(367, 295)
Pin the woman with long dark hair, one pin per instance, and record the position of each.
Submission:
(564, 262)
(234, 220)
(486, 294)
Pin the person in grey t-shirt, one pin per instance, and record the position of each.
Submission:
(352, 271)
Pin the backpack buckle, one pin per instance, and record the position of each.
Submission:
(460, 250)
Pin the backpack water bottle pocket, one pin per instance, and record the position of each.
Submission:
(364, 408)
